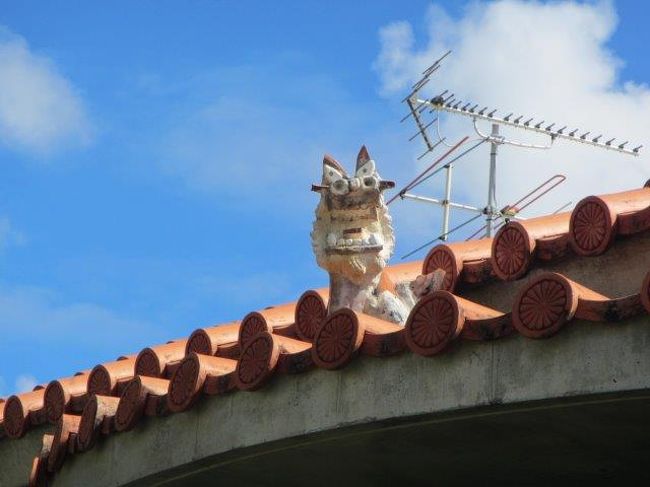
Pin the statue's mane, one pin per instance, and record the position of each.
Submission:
(323, 223)
(353, 240)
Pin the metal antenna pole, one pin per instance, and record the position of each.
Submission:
(492, 187)
(420, 108)
(445, 203)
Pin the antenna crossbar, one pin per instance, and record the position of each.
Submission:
(438, 104)
(511, 211)
(437, 201)
(418, 122)
(417, 180)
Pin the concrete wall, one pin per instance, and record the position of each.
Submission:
(16, 456)
(584, 359)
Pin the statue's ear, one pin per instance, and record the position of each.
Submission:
(363, 157)
(332, 170)
(365, 165)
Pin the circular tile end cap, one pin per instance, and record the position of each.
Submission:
(443, 257)
(185, 384)
(147, 363)
(544, 305)
(87, 425)
(311, 311)
(337, 340)
(99, 381)
(591, 229)
(257, 362)
(55, 400)
(252, 324)
(199, 342)
(433, 323)
(64, 427)
(512, 251)
(14, 421)
(131, 405)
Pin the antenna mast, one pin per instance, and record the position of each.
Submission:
(420, 107)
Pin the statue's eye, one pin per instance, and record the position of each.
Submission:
(340, 187)
(370, 182)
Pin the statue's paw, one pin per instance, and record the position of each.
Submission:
(428, 283)
(391, 308)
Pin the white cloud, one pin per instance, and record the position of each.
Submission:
(258, 133)
(38, 328)
(549, 60)
(9, 236)
(34, 313)
(233, 146)
(25, 383)
(40, 110)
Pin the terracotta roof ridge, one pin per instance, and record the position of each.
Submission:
(589, 230)
(541, 308)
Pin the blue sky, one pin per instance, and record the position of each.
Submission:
(156, 157)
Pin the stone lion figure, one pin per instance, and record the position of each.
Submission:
(353, 239)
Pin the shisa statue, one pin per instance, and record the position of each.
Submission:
(353, 239)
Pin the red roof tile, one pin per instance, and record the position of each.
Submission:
(516, 244)
(103, 379)
(197, 374)
(440, 317)
(275, 319)
(210, 340)
(259, 358)
(294, 337)
(344, 332)
(65, 395)
(96, 417)
(550, 300)
(139, 394)
(22, 411)
(462, 261)
(65, 433)
(596, 220)
(311, 310)
(38, 473)
(153, 361)
(394, 274)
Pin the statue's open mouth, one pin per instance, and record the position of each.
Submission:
(354, 240)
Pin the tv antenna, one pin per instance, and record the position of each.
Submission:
(420, 108)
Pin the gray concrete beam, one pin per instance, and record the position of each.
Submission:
(583, 359)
